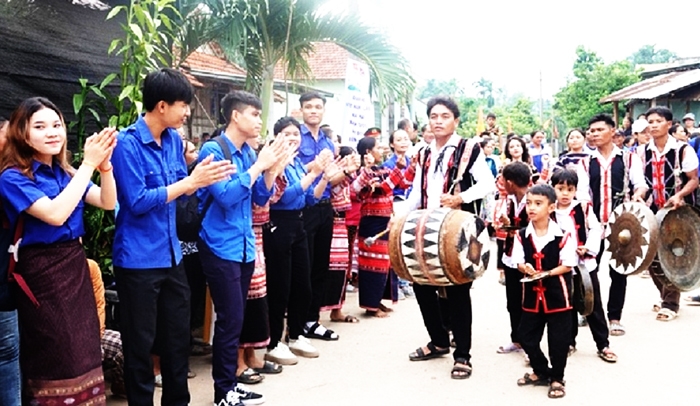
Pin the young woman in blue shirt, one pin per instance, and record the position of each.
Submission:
(61, 358)
(286, 247)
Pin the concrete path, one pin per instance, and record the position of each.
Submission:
(369, 365)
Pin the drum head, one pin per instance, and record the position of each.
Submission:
(679, 252)
(631, 238)
(464, 246)
(395, 253)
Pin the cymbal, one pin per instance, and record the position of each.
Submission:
(536, 277)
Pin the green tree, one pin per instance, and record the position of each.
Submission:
(593, 79)
(282, 32)
(484, 89)
(435, 87)
(649, 54)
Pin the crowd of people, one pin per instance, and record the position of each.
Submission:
(279, 232)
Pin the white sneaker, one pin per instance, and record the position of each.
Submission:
(233, 398)
(303, 348)
(281, 355)
(247, 397)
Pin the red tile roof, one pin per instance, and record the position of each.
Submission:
(209, 63)
(193, 80)
(327, 61)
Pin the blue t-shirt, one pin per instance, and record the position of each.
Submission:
(294, 197)
(145, 234)
(18, 193)
(310, 148)
(227, 227)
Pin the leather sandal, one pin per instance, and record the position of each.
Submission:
(462, 369)
(527, 380)
(420, 355)
(249, 377)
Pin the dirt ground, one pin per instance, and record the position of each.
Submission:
(369, 365)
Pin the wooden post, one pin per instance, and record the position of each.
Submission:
(616, 111)
(652, 103)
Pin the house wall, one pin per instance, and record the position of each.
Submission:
(679, 108)
(199, 121)
(335, 108)
(205, 109)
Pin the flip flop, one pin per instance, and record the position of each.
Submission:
(693, 300)
(269, 368)
(507, 349)
(347, 319)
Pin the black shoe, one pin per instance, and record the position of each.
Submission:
(249, 398)
(232, 398)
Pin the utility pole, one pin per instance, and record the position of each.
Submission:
(541, 101)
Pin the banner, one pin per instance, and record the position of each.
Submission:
(358, 112)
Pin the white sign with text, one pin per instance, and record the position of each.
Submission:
(358, 111)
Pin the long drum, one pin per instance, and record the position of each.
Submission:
(679, 252)
(439, 247)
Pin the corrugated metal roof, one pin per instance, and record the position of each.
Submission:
(656, 86)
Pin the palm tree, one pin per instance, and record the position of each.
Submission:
(268, 33)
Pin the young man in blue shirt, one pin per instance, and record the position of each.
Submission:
(227, 242)
(150, 172)
(318, 219)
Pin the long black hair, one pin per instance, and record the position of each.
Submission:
(365, 145)
(526, 152)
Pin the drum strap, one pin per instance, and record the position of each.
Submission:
(464, 159)
(627, 161)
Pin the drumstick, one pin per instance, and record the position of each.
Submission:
(370, 240)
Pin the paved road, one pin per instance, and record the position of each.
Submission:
(369, 365)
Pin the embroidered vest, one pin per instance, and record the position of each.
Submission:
(453, 185)
(578, 215)
(609, 188)
(664, 177)
(520, 220)
(552, 294)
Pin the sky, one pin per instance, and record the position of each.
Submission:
(511, 41)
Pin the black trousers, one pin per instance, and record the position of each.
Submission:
(514, 300)
(460, 308)
(288, 274)
(155, 301)
(618, 289)
(596, 320)
(318, 223)
(558, 338)
(445, 312)
(198, 288)
(229, 282)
